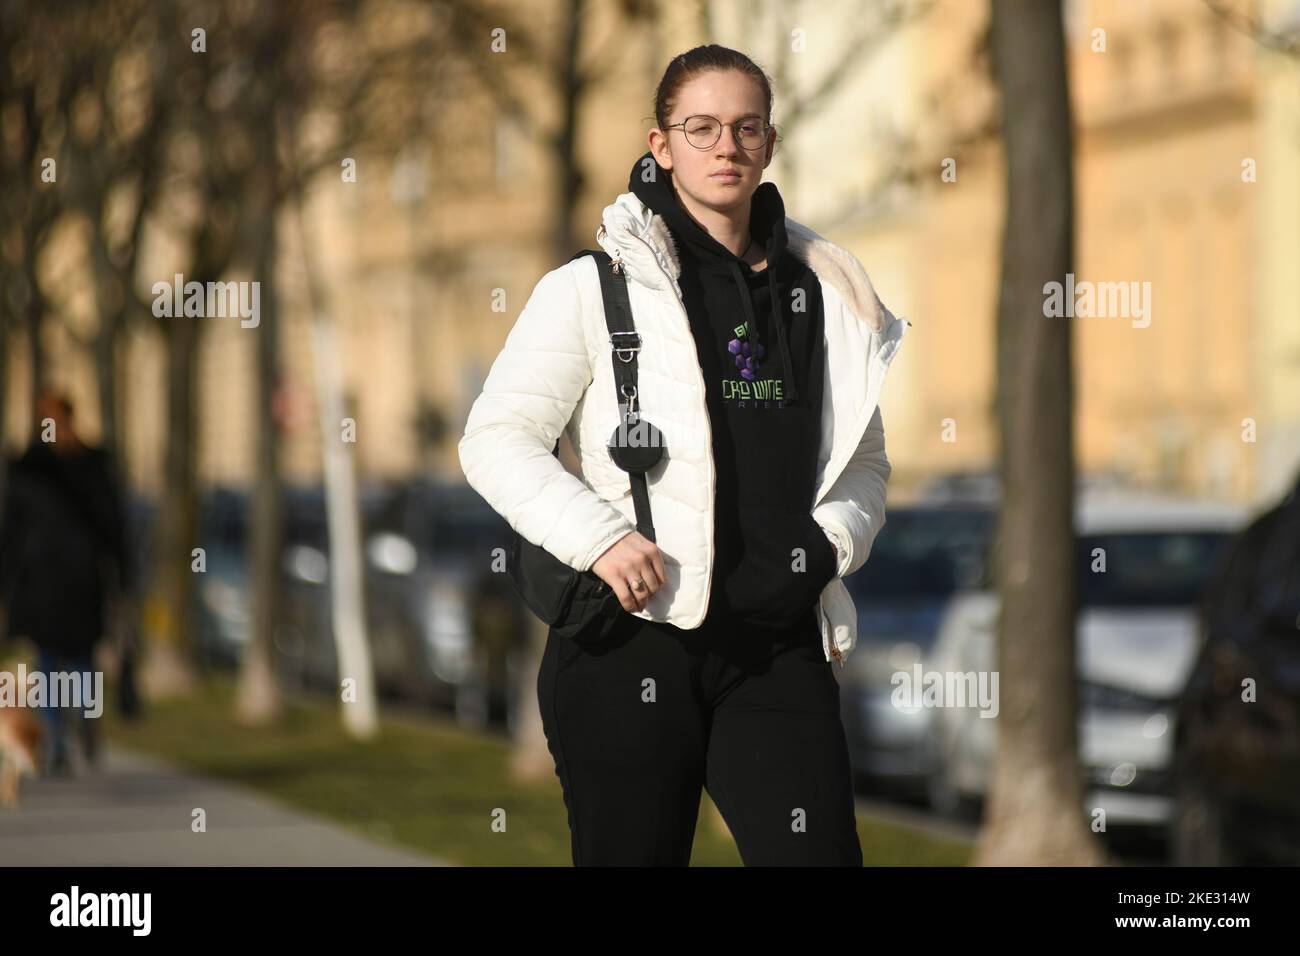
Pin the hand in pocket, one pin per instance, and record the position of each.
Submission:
(774, 584)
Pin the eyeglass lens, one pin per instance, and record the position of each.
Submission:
(704, 131)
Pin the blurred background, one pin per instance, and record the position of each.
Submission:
(283, 513)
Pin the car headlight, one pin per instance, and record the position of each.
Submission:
(392, 553)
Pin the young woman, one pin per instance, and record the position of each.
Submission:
(763, 353)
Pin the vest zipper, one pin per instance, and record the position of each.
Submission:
(828, 642)
(713, 471)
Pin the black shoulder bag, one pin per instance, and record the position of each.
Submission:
(579, 603)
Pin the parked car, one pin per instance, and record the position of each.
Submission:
(223, 613)
(433, 550)
(430, 595)
(1135, 646)
(444, 628)
(928, 551)
(1236, 768)
(224, 590)
(921, 557)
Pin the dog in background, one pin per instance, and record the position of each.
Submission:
(21, 732)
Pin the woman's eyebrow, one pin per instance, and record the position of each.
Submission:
(737, 119)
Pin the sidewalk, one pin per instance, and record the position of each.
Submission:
(135, 811)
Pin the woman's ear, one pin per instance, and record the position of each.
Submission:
(660, 149)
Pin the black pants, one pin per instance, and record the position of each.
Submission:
(641, 720)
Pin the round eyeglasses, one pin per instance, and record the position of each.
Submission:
(703, 132)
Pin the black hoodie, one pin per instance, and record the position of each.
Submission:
(759, 337)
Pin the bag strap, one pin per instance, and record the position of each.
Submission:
(625, 343)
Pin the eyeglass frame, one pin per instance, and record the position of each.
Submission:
(767, 128)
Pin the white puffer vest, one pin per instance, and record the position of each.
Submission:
(554, 374)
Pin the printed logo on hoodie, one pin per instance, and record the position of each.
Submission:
(747, 361)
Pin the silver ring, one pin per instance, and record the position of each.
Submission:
(638, 584)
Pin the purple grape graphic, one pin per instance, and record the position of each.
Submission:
(747, 357)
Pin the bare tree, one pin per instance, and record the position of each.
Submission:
(1035, 801)
(34, 98)
(571, 63)
(863, 39)
(214, 158)
(377, 101)
(75, 100)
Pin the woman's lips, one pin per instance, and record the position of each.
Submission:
(726, 177)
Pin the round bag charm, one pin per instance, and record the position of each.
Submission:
(636, 447)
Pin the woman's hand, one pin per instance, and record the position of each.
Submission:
(634, 568)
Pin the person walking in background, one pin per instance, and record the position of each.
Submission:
(63, 558)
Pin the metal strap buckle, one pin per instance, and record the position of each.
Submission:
(626, 353)
(629, 392)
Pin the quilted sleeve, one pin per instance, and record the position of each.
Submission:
(853, 511)
(528, 397)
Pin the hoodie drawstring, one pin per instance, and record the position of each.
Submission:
(778, 318)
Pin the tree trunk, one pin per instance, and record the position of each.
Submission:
(4, 397)
(530, 758)
(111, 300)
(259, 699)
(35, 347)
(347, 590)
(1035, 804)
(570, 178)
(346, 582)
(168, 666)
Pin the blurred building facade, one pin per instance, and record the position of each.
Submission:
(1187, 177)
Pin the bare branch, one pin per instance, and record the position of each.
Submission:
(1251, 26)
(857, 50)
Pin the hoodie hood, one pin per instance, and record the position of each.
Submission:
(767, 226)
(637, 237)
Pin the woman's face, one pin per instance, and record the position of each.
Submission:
(728, 96)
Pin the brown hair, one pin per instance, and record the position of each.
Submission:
(701, 59)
